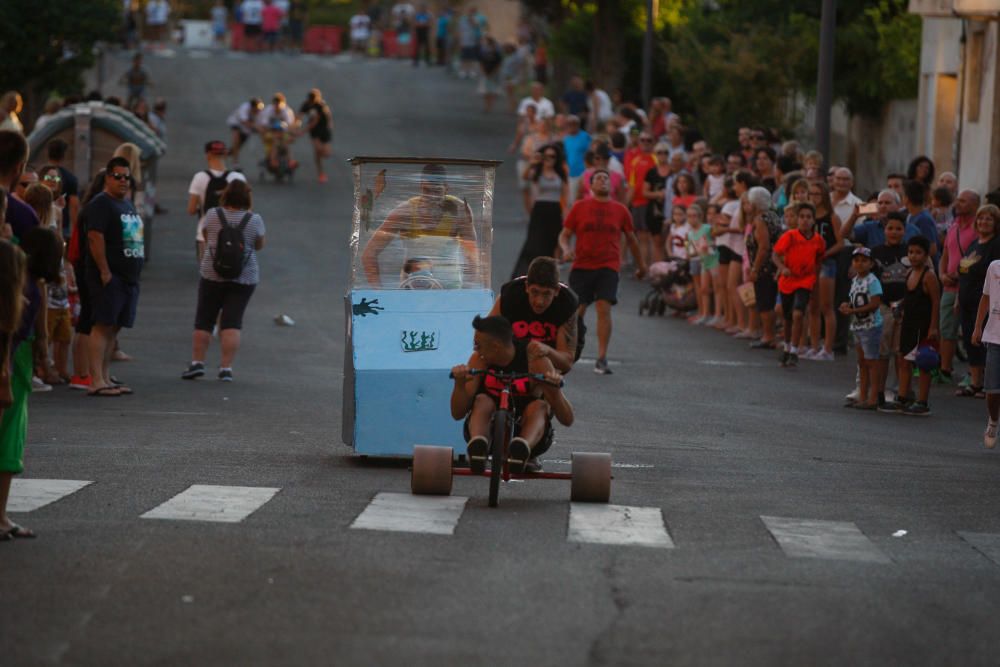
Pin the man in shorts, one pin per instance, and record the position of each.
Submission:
(987, 332)
(475, 397)
(114, 262)
(598, 224)
(542, 311)
(243, 123)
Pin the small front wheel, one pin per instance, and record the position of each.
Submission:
(431, 474)
(591, 482)
(499, 454)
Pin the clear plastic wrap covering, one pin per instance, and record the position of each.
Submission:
(422, 223)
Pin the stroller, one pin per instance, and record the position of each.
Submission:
(670, 286)
(278, 159)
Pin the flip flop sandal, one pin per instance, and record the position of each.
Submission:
(124, 390)
(105, 392)
(968, 391)
(21, 533)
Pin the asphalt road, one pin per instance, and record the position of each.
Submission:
(711, 436)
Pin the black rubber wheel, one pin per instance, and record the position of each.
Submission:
(499, 447)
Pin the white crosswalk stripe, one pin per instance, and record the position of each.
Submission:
(618, 524)
(206, 502)
(408, 513)
(27, 495)
(810, 538)
(987, 544)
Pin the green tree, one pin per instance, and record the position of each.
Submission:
(47, 46)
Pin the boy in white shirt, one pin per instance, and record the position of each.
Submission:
(988, 331)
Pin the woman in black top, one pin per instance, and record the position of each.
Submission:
(320, 126)
(971, 276)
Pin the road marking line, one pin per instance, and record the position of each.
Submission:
(810, 538)
(567, 462)
(988, 544)
(208, 502)
(618, 524)
(723, 362)
(407, 513)
(27, 495)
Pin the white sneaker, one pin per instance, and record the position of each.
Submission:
(854, 395)
(823, 355)
(990, 436)
(809, 354)
(37, 384)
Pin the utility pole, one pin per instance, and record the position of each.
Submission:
(824, 83)
(647, 53)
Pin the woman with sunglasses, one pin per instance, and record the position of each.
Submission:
(546, 175)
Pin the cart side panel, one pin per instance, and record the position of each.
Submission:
(403, 344)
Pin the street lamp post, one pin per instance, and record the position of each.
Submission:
(824, 83)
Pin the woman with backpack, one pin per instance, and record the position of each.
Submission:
(229, 237)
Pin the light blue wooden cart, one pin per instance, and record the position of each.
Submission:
(420, 271)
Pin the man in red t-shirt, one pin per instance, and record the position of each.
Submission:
(598, 224)
(798, 255)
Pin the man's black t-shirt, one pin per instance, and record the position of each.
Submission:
(322, 112)
(891, 271)
(528, 325)
(122, 228)
(521, 389)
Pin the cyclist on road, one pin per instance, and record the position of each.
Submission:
(542, 312)
(475, 398)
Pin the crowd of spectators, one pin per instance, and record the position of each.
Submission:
(776, 246)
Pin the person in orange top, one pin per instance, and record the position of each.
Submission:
(797, 254)
(637, 165)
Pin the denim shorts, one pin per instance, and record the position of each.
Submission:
(868, 340)
(694, 267)
(828, 269)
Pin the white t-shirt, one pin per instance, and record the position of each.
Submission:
(615, 165)
(361, 27)
(678, 241)
(240, 115)
(605, 110)
(846, 206)
(269, 113)
(543, 107)
(252, 12)
(991, 288)
(200, 183)
(734, 240)
(715, 184)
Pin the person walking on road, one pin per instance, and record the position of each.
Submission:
(222, 299)
(598, 224)
(319, 123)
(550, 187)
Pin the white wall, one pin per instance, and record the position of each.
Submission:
(978, 141)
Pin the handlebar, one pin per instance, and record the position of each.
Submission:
(509, 377)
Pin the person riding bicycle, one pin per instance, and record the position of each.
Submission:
(542, 311)
(434, 226)
(475, 397)
(276, 124)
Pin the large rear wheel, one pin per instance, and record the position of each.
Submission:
(591, 481)
(499, 453)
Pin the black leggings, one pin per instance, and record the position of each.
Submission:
(543, 235)
(228, 297)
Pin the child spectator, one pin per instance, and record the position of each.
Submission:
(59, 322)
(864, 300)
(921, 313)
(941, 202)
(703, 254)
(677, 238)
(891, 271)
(797, 254)
(715, 181)
(713, 219)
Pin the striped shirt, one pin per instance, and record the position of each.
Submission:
(208, 232)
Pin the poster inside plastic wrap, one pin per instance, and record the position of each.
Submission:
(421, 223)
